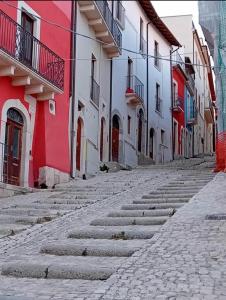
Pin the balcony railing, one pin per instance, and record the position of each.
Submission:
(177, 60)
(110, 21)
(95, 92)
(178, 103)
(158, 104)
(25, 48)
(191, 80)
(134, 85)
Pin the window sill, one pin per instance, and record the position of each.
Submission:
(159, 113)
(94, 104)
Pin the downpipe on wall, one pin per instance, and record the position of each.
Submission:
(72, 86)
(147, 83)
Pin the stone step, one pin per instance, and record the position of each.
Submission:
(56, 267)
(178, 189)
(82, 196)
(140, 213)
(29, 212)
(115, 233)
(58, 207)
(161, 200)
(117, 221)
(11, 229)
(91, 248)
(167, 196)
(24, 220)
(184, 186)
(152, 206)
(173, 193)
(64, 201)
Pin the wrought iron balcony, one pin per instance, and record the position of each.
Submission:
(95, 92)
(22, 47)
(105, 26)
(190, 82)
(110, 21)
(135, 90)
(178, 104)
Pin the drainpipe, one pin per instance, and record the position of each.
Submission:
(72, 85)
(171, 79)
(110, 104)
(147, 83)
(110, 111)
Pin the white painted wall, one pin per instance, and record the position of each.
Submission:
(91, 114)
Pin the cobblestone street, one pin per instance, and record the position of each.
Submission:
(140, 234)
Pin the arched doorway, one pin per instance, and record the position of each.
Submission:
(151, 143)
(102, 132)
(115, 138)
(13, 147)
(79, 144)
(140, 130)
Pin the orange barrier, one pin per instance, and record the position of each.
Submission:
(221, 152)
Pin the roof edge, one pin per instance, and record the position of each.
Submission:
(158, 23)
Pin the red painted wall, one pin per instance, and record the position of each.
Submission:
(51, 133)
(179, 115)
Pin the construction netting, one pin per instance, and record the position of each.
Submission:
(212, 18)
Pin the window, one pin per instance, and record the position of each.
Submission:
(26, 46)
(120, 13)
(95, 88)
(141, 35)
(162, 136)
(158, 100)
(175, 93)
(93, 66)
(130, 72)
(129, 124)
(156, 54)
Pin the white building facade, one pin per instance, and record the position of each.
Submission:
(123, 97)
(141, 101)
(92, 82)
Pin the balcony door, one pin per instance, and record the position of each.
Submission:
(26, 47)
(13, 146)
(115, 139)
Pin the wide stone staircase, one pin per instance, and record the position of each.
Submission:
(95, 251)
(17, 216)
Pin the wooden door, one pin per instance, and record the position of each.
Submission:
(115, 144)
(12, 153)
(139, 134)
(101, 140)
(78, 145)
(27, 39)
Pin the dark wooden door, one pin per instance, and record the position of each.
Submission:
(101, 140)
(139, 134)
(27, 39)
(115, 144)
(12, 153)
(78, 145)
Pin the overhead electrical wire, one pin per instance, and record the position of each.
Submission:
(104, 43)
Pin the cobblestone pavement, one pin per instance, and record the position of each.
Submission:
(107, 239)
